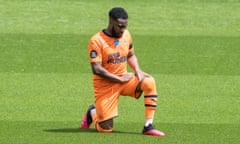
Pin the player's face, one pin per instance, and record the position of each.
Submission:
(118, 27)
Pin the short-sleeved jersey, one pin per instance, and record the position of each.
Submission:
(111, 52)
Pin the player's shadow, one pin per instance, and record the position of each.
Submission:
(78, 130)
(70, 130)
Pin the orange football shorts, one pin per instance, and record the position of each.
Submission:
(107, 94)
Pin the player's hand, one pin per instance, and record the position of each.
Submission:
(140, 75)
(126, 77)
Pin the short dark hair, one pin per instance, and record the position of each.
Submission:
(118, 12)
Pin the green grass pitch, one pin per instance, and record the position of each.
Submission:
(191, 47)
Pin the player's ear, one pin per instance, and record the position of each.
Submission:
(111, 21)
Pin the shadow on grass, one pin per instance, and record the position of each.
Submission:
(71, 130)
(79, 130)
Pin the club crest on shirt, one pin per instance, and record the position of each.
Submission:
(116, 42)
(93, 54)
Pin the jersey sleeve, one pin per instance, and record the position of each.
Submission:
(94, 51)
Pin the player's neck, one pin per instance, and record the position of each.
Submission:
(107, 32)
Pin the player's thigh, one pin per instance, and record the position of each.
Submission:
(106, 101)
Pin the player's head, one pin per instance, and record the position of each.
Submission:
(118, 13)
(118, 20)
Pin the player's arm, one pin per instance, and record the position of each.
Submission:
(97, 69)
(133, 63)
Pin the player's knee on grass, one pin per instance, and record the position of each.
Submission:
(105, 126)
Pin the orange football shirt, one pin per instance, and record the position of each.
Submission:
(111, 52)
